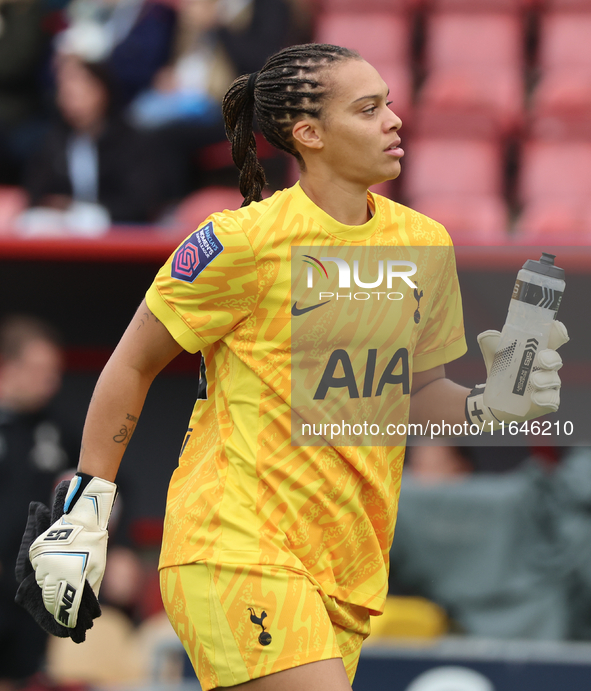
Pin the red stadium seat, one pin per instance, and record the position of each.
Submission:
(458, 183)
(475, 74)
(557, 170)
(561, 102)
(380, 37)
(368, 5)
(13, 201)
(480, 103)
(195, 208)
(449, 166)
(564, 41)
(555, 190)
(481, 5)
(561, 106)
(563, 4)
(383, 39)
(562, 222)
(458, 40)
(473, 220)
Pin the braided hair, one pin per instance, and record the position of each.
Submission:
(288, 86)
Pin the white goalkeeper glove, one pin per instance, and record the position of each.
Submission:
(545, 382)
(74, 548)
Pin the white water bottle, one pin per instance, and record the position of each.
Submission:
(534, 304)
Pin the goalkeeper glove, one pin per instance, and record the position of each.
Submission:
(545, 382)
(72, 551)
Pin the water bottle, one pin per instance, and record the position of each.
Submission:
(533, 307)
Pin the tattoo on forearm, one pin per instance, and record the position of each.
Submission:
(126, 431)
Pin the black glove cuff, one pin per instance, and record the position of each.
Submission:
(83, 480)
(470, 411)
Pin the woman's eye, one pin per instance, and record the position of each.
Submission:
(370, 110)
(388, 103)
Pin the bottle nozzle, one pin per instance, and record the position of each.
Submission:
(545, 266)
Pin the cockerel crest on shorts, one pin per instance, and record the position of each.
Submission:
(265, 636)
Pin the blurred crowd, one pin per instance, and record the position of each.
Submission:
(110, 110)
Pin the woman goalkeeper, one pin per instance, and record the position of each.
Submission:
(275, 552)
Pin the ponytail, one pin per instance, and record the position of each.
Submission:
(238, 112)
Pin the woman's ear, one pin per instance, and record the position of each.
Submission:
(308, 134)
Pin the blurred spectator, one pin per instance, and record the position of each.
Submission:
(191, 87)
(93, 168)
(22, 49)
(216, 41)
(132, 37)
(32, 453)
(260, 29)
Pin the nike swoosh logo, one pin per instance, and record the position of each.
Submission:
(296, 311)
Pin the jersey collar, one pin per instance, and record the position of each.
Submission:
(331, 225)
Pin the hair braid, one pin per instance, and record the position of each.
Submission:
(288, 86)
(238, 109)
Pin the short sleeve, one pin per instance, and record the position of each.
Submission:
(442, 338)
(207, 286)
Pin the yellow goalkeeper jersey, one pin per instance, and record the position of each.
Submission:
(310, 332)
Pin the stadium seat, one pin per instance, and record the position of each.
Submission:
(410, 617)
(460, 40)
(563, 4)
(564, 41)
(561, 101)
(556, 170)
(380, 37)
(480, 5)
(480, 103)
(383, 39)
(469, 219)
(195, 208)
(369, 5)
(13, 201)
(458, 182)
(561, 222)
(555, 190)
(449, 166)
(475, 74)
(561, 106)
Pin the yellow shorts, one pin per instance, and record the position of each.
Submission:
(239, 623)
